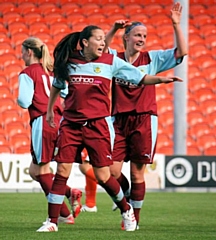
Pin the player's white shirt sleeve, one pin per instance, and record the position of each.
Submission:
(126, 71)
(26, 91)
(162, 60)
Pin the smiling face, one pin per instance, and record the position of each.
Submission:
(135, 40)
(94, 46)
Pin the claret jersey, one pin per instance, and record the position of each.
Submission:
(34, 91)
(132, 98)
(90, 86)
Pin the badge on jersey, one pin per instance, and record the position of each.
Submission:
(97, 69)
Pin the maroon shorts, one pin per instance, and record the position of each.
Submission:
(135, 138)
(43, 139)
(97, 136)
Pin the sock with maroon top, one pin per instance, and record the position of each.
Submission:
(137, 197)
(113, 188)
(56, 197)
(124, 183)
(68, 189)
(46, 181)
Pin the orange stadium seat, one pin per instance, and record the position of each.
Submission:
(206, 140)
(26, 7)
(210, 41)
(3, 36)
(48, 8)
(194, 150)
(112, 8)
(6, 7)
(154, 9)
(196, 83)
(192, 105)
(38, 27)
(13, 127)
(84, 2)
(196, 9)
(152, 40)
(210, 151)
(166, 30)
(164, 140)
(70, 8)
(210, 73)
(207, 30)
(97, 18)
(132, 9)
(106, 2)
(77, 19)
(10, 115)
(201, 20)
(12, 17)
(140, 17)
(18, 38)
(205, 61)
(203, 94)
(16, 27)
(20, 139)
(7, 103)
(112, 18)
(56, 28)
(7, 59)
(210, 10)
(159, 20)
(197, 50)
(167, 150)
(5, 47)
(193, 117)
(5, 92)
(22, 148)
(195, 39)
(33, 17)
(3, 80)
(199, 129)
(6, 148)
(13, 69)
(106, 27)
(91, 8)
(208, 106)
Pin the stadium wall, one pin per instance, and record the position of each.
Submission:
(167, 173)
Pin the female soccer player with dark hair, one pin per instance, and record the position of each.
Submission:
(34, 89)
(135, 107)
(87, 114)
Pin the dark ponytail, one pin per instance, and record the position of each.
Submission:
(62, 52)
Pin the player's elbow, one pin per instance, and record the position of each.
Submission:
(23, 104)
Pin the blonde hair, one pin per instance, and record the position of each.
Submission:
(40, 51)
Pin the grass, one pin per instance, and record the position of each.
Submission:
(174, 216)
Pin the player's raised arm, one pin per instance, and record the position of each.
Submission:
(176, 13)
(119, 24)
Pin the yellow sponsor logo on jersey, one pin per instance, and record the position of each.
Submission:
(142, 69)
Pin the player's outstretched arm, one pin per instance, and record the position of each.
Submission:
(151, 80)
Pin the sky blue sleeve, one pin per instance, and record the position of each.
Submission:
(126, 71)
(59, 83)
(64, 92)
(162, 60)
(26, 91)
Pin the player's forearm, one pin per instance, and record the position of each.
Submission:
(180, 41)
(109, 36)
(54, 93)
(150, 80)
